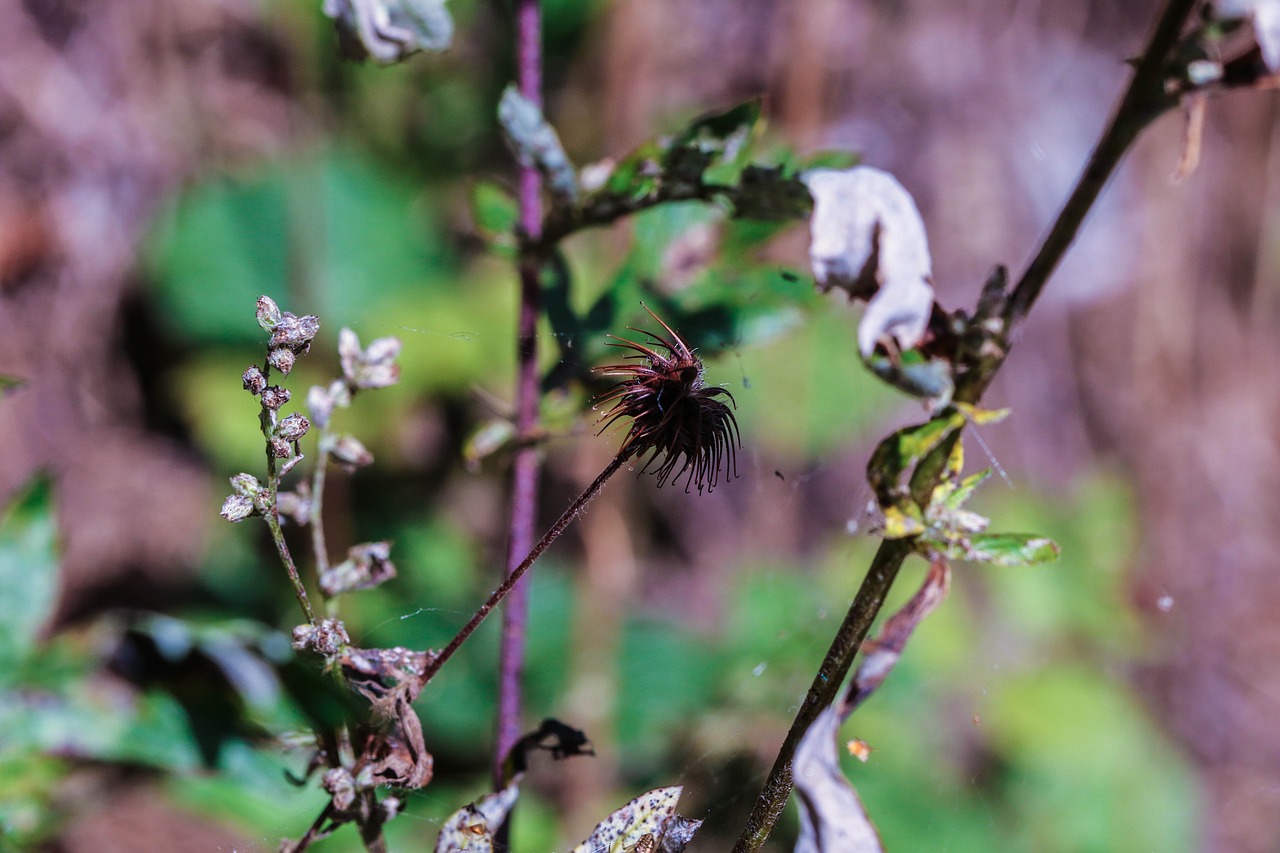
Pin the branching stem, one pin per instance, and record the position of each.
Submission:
(1142, 103)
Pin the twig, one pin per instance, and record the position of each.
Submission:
(524, 473)
(562, 524)
(1143, 101)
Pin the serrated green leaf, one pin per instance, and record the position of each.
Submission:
(965, 489)
(647, 814)
(1006, 549)
(28, 572)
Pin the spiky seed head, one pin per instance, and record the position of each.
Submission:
(676, 418)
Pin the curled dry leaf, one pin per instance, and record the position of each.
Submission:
(883, 652)
(832, 819)
(868, 238)
(470, 829)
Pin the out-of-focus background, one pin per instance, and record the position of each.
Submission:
(164, 163)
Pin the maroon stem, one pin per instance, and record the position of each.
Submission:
(513, 578)
(524, 475)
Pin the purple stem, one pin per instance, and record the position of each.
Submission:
(524, 475)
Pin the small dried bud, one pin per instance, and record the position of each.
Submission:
(293, 427)
(254, 381)
(348, 452)
(296, 504)
(372, 367)
(390, 808)
(268, 313)
(237, 508)
(367, 565)
(328, 637)
(282, 359)
(341, 785)
(279, 448)
(275, 396)
(245, 485)
(295, 332)
(322, 401)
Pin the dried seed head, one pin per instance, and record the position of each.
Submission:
(675, 416)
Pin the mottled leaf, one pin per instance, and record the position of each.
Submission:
(470, 829)
(536, 143)
(490, 437)
(904, 449)
(28, 572)
(928, 379)
(647, 814)
(832, 818)
(868, 238)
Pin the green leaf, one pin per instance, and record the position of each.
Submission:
(9, 384)
(770, 193)
(496, 215)
(981, 417)
(1006, 549)
(28, 573)
(536, 143)
(904, 449)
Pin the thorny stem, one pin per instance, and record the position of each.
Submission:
(1142, 103)
(562, 524)
(524, 473)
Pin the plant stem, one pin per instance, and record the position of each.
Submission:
(318, 546)
(524, 473)
(562, 524)
(277, 536)
(1143, 101)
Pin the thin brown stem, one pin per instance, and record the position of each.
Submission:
(1142, 103)
(496, 597)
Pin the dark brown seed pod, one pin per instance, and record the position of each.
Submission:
(675, 417)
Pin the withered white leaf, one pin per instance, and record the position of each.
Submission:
(868, 238)
(1266, 25)
(832, 819)
(390, 30)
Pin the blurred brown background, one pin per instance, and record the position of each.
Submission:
(1151, 354)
